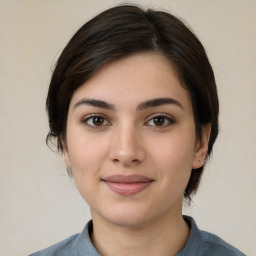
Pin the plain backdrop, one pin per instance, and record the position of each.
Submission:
(39, 204)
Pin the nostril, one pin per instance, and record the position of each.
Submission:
(134, 161)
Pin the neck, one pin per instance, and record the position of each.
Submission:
(165, 236)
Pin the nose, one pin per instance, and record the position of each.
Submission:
(127, 146)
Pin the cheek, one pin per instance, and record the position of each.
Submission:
(177, 149)
(86, 153)
(87, 157)
(174, 157)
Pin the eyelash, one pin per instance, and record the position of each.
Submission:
(93, 116)
(165, 117)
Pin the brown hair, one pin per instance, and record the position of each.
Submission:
(119, 32)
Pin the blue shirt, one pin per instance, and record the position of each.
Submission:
(199, 243)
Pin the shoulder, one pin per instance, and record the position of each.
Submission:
(217, 246)
(76, 245)
(63, 248)
(202, 243)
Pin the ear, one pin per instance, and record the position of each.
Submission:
(66, 155)
(201, 147)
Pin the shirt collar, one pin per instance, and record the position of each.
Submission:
(83, 244)
(194, 244)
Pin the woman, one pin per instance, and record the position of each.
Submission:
(134, 108)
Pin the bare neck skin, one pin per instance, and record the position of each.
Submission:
(165, 236)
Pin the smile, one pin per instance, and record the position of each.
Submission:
(127, 185)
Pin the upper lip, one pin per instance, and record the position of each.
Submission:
(135, 178)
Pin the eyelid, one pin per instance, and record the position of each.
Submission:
(86, 118)
(164, 115)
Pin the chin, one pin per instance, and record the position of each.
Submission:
(129, 221)
(129, 217)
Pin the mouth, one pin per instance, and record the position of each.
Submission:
(127, 185)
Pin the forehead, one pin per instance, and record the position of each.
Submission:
(134, 79)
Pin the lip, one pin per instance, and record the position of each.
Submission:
(127, 184)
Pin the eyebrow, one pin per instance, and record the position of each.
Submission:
(95, 103)
(158, 102)
(142, 106)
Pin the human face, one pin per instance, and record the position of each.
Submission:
(131, 140)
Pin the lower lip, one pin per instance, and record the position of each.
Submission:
(128, 188)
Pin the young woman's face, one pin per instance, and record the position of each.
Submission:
(131, 141)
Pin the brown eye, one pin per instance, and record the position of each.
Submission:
(159, 120)
(95, 121)
(98, 120)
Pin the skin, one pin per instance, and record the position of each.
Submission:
(158, 142)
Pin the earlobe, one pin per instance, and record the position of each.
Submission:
(66, 158)
(202, 147)
(66, 155)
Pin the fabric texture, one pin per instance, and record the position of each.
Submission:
(199, 243)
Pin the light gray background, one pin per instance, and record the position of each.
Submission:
(39, 204)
